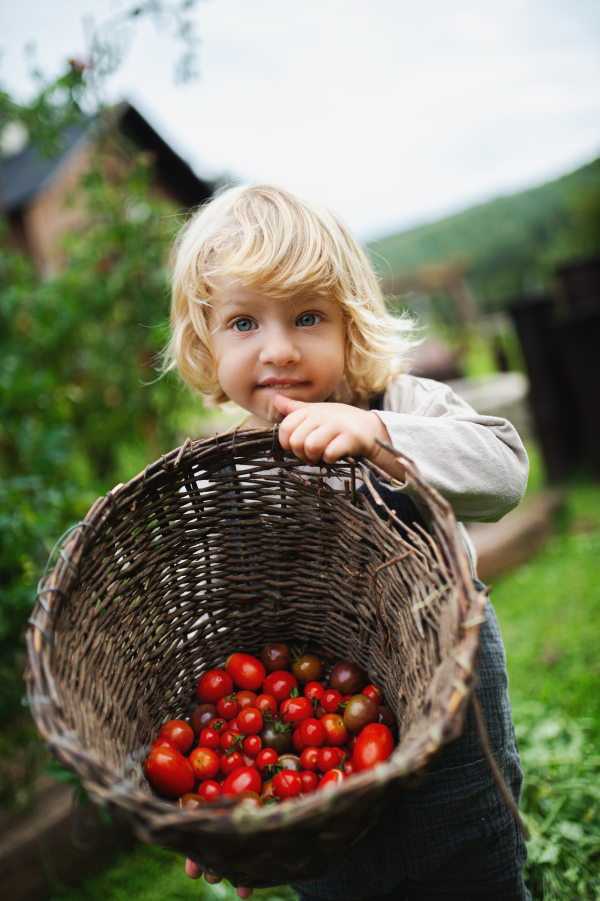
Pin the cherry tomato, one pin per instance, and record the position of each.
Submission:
(297, 743)
(373, 745)
(276, 735)
(330, 700)
(179, 732)
(209, 738)
(201, 717)
(287, 784)
(231, 738)
(276, 657)
(372, 691)
(245, 778)
(245, 670)
(245, 698)
(169, 773)
(266, 758)
(295, 710)
(219, 725)
(309, 779)
(308, 758)
(266, 791)
(249, 721)
(331, 779)
(349, 767)
(209, 789)
(328, 758)
(266, 704)
(231, 762)
(228, 707)
(314, 690)
(162, 743)
(335, 731)
(205, 763)
(280, 685)
(213, 685)
(252, 745)
(312, 732)
(190, 801)
(360, 710)
(307, 668)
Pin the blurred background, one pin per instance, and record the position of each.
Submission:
(461, 142)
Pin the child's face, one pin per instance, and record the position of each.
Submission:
(265, 345)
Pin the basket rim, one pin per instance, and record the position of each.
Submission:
(102, 783)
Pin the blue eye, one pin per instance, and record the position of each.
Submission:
(308, 319)
(244, 325)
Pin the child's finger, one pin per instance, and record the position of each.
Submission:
(286, 405)
(244, 892)
(192, 869)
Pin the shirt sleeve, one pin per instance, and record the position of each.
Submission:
(478, 463)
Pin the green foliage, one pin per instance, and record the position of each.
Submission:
(513, 243)
(560, 804)
(155, 874)
(79, 393)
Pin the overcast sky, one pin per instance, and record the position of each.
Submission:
(392, 111)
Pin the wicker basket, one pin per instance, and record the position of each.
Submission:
(227, 544)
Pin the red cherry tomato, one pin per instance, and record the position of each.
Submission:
(228, 707)
(209, 789)
(205, 763)
(314, 690)
(231, 762)
(162, 743)
(231, 738)
(169, 773)
(308, 758)
(331, 779)
(209, 738)
(213, 685)
(373, 745)
(245, 699)
(265, 758)
(245, 778)
(297, 743)
(246, 671)
(310, 780)
(249, 721)
(330, 700)
(349, 767)
(252, 745)
(287, 784)
(179, 732)
(335, 731)
(266, 704)
(311, 732)
(328, 758)
(280, 685)
(373, 692)
(295, 710)
(219, 725)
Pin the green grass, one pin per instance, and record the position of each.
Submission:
(549, 612)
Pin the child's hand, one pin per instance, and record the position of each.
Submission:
(195, 872)
(329, 431)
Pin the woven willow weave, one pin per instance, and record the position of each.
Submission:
(226, 544)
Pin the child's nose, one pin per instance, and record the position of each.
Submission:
(279, 348)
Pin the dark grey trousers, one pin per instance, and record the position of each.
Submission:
(452, 838)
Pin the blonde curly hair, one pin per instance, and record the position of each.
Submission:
(281, 244)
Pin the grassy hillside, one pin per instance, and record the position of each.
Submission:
(513, 243)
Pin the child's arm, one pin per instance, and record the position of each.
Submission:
(478, 463)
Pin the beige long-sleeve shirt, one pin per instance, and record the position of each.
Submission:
(478, 463)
